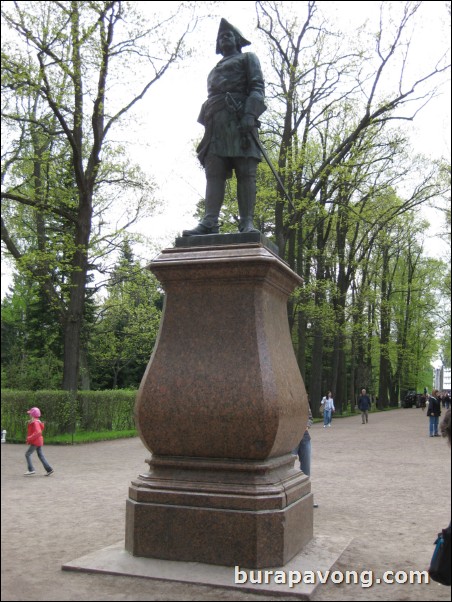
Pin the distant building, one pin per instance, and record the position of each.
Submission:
(441, 379)
(446, 378)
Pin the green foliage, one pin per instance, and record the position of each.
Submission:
(58, 411)
(106, 410)
(118, 336)
(128, 320)
(66, 413)
(31, 339)
(368, 312)
(90, 437)
(344, 162)
(62, 172)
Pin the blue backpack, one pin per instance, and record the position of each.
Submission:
(440, 563)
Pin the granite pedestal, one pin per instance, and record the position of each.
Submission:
(221, 406)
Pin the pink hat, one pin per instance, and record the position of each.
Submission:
(35, 412)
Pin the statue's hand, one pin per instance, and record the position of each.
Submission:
(247, 123)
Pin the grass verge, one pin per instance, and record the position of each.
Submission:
(89, 437)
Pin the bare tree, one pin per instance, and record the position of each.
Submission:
(83, 65)
(334, 106)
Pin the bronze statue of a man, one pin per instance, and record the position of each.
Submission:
(230, 116)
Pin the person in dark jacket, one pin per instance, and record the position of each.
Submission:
(230, 114)
(303, 449)
(364, 404)
(440, 566)
(434, 412)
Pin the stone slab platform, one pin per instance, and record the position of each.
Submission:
(320, 554)
(237, 238)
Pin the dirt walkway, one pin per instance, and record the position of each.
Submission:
(385, 485)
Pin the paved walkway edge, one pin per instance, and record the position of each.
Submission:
(317, 557)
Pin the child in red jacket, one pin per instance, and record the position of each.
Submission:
(36, 441)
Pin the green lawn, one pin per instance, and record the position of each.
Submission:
(89, 437)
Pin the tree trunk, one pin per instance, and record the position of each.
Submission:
(341, 379)
(74, 319)
(352, 381)
(315, 387)
(85, 380)
(385, 329)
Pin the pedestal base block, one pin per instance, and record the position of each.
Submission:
(228, 513)
(221, 405)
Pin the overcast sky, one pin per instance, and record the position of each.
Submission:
(168, 123)
(163, 135)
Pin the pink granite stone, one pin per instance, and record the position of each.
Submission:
(221, 406)
(223, 381)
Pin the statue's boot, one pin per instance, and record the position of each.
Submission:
(214, 200)
(200, 230)
(246, 196)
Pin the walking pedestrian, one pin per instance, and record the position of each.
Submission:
(35, 441)
(364, 404)
(303, 449)
(440, 565)
(434, 412)
(328, 405)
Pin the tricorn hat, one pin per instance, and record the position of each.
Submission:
(226, 26)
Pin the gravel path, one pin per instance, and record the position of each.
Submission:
(385, 485)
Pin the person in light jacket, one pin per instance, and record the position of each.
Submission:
(328, 409)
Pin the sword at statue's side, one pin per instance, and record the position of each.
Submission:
(231, 102)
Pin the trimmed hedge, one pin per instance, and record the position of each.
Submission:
(63, 412)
